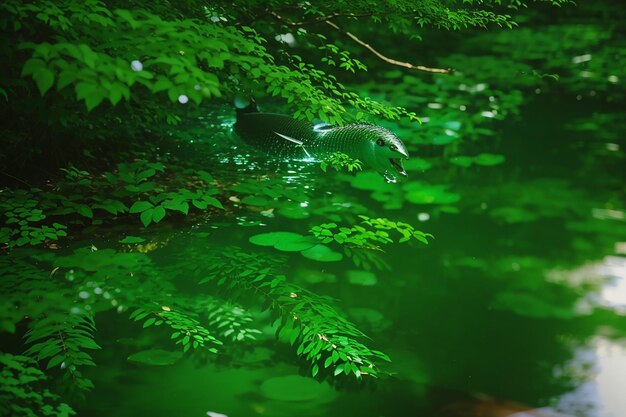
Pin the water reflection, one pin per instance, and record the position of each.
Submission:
(603, 363)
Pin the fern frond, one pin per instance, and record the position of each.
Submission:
(60, 339)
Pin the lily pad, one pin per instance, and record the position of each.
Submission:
(297, 245)
(284, 241)
(322, 253)
(370, 318)
(272, 238)
(417, 164)
(462, 161)
(314, 276)
(295, 388)
(157, 357)
(488, 159)
(418, 193)
(132, 239)
(364, 278)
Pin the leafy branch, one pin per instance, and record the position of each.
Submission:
(187, 331)
(361, 236)
(384, 57)
(60, 339)
(339, 160)
(323, 337)
(367, 46)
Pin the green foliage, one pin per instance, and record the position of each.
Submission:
(200, 60)
(321, 335)
(130, 189)
(284, 241)
(23, 392)
(265, 190)
(22, 218)
(371, 233)
(339, 160)
(187, 331)
(362, 242)
(92, 52)
(233, 322)
(61, 339)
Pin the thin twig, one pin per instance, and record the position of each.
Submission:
(385, 58)
(16, 179)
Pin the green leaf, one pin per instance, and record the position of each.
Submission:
(181, 206)
(54, 361)
(158, 213)
(132, 239)
(44, 78)
(462, 161)
(364, 278)
(146, 217)
(488, 159)
(139, 206)
(94, 99)
(213, 202)
(296, 245)
(84, 210)
(322, 253)
(284, 241)
(32, 66)
(200, 204)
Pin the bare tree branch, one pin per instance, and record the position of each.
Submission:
(16, 179)
(360, 42)
(385, 58)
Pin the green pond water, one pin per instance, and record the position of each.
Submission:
(515, 307)
(517, 303)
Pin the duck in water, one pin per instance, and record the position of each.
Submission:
(286, 137)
